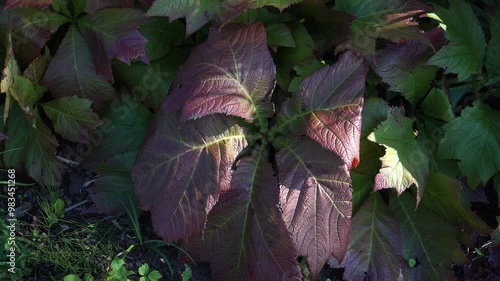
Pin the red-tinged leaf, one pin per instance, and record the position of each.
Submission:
(33, 148)
(42, 4)
(328, 107)
(315, 195)
(375, 246)
(428, 239)
(72, 72)
(233, 73)
(93, 6)
(245, 237)
(182, 168)
(196, 12)
(3, 136)
(112, 33)
(31, 29)
(232, 8)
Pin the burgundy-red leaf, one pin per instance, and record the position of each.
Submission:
(316, 198)
(42, 4)
(246, 238)
(233, 73)
(182, 168)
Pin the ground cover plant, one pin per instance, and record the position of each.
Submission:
(271, 139)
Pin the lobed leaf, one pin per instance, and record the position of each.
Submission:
(315, 195)
(404, 162)
(474, 139)
(72, 72)
(375, 244)
(182, 168)
(113, 33)
(232, 73)
(245, 237)
(464, 54)
(72, 117)
(328, 107)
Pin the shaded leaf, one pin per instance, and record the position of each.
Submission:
(404, 162)
(362, 186)
(38, 149)
(328, 107)
(72, 117)
(315, 195)
(233, 8)
(464, 54)
(391, 20)
(113, 33)
(72, 72)
(437, 105)
(245, 237)
(42, 4)
(474, 139)
(93, 6)
(196, 12)
(375, 111)
(375, 246)
(434, 247)
(36, 70)
(161, 36)
(303, 71)
(493, 49)
(279, 35)
(233, 73)
(180, 183)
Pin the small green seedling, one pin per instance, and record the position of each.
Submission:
(147, 275)
(187, 274)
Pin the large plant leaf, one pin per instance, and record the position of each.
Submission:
(493, 49)
(72, 117)
(437, 105)
(182, 168)
(112, 33)
(42, 4)
(37, 151)
(474, 139)
(404, 162)
(315, 195)
(125, 126)
(245, 237)
(328, 107)
(375, 246)
(464, 54)
(427, 238)
(93, 6)
(233, 8)
(161, 36)
(392, 20)
(196, 12)
(233, 73)
(72, 72)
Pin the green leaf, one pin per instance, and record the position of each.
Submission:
(72, 277)
(144, 269)
(437, 105)
(72, 117)
(464, 54)
(493, 49)
(11, 70)
(38, 153)
(404, 162)
(474, 139)
(154, 275)
(36, 70)
(375, 111)
(375, 246)
(303, 71)
(161, 36)
(23, 91)
(362, 186)
(427, 238)
(441, 197)
(279, 35)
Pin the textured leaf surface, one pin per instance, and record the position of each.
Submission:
(375, 246)
(42, 4)
(181, 182)
(392, 20)
(196, 12)
(72, 117)
(464, 54)
(93, 6)
(441, 197)
(437, 105)
(112, 33)
(245, 237)
(72, 72)
(38, 149)
(474, 139)
(233, 73)
(404, 162)
(328, 107)
(434, 247)
(315, 195)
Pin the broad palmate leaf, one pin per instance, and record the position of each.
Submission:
(245, 237)
(474, 139)
(182, 168)
(375, 246)
(316, 199)
(464, 54)
(232, 73)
